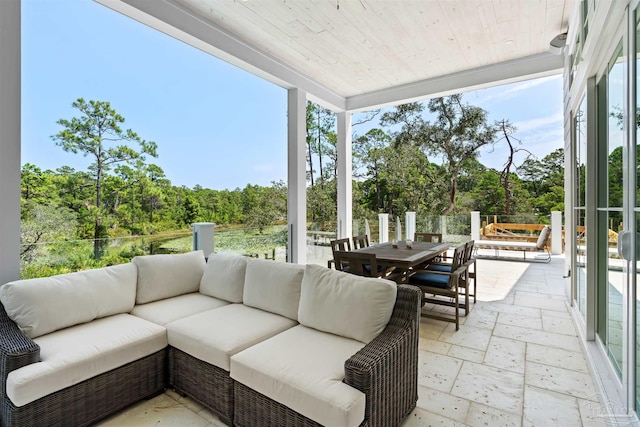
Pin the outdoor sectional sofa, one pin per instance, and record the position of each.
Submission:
(256, 341)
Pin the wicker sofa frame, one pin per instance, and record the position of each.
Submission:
(385, 370)
(82, 404)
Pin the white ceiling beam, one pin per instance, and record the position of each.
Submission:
(531, 67)
(178, 22)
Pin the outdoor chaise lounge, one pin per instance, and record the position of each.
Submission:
(541, 245)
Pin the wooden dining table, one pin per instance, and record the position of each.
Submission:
(402, 257)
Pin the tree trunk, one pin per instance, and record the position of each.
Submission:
(320, 149)
(452, 195)
(97, 226)
(310, 165)
(505, 174)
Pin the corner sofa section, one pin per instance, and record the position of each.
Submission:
(257, 342)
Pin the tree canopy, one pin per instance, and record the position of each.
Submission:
(414, 157)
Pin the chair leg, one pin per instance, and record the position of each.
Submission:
(475, 281)
(457, 308)
(466, 295)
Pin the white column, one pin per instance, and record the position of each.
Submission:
(297, 179)
(203, 237)
(475, 225)
(9, 140)
(383, 228)
(556, 232)
(345, 198)
(410, 224)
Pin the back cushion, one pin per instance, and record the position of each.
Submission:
(40, 306)
(166, 276)
(542, 238)
(223, 277)
(273, 286)
(345, 304)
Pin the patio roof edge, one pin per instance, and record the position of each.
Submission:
(521, 69)
(176, 21)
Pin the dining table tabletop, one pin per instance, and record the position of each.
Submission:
(403, 257)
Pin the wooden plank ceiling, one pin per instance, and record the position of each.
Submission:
(356, 47)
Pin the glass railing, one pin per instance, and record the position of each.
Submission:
(46, 259)
(454, 228)
(50, 258)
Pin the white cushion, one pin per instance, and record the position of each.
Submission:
(345, 304)
(73, 355)
(171, 309)
(505, 245)
(224, 277)
(303, 369)
(166, 276)
(542, 238)
(215, 335)
(273, 286)
(43, 305)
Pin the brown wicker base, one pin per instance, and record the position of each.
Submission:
(209, 385)
(255, 409)
(96, 398)
(386, 369)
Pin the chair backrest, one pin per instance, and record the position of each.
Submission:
(428, 237)
(357, 263)
(340, 245)
(458, 257)
(468, 250)
(361, 241)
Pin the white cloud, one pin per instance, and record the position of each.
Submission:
(555, 119)
(492, 94)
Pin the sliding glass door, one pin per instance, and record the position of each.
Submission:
(609, 198)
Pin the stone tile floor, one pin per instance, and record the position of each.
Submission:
(516, 361)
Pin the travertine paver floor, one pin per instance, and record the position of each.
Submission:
(516, 361)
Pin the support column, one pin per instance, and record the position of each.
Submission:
(475, 225)
(345, 172)
(556, 233)
(297, 179)
(9, 140)
(410, 224)
(383, 228)
(203, 237)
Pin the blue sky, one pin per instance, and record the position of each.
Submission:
(215, 125)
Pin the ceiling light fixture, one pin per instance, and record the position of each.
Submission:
(556, 46)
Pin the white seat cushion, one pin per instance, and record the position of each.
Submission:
(273, 286)
(224, 277)
(172, 309)
(505, 245)
(166, 276)
(303, 369)
(70, 356)
(345, 304)
(43, 305)
(215, 335)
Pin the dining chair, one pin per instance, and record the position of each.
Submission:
(358, 263)
(465, 285)
(428, 237)
(361, 241)
(339, 245)
(443, 287)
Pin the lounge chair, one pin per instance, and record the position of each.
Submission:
(541, 245)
